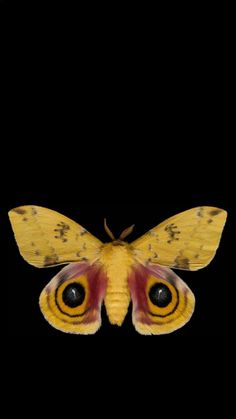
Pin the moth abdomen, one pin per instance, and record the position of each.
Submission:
(117, 261)
(117, 304)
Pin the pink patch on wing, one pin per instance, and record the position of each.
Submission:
(97, 283)
(138, 283)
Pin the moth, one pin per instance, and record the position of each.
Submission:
(117, 272)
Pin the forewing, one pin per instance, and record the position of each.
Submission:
(46, 238)
(187, 241)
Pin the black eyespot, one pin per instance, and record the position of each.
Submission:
(73, 295)
(160, 295)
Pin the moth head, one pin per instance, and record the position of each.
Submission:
(123, 235)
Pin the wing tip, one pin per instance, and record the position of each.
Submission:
(20, 210)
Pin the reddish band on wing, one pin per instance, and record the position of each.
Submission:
(153, 316)
(72, 300)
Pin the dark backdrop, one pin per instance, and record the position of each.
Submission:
(139, 115)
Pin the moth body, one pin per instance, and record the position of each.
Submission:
(117, 260)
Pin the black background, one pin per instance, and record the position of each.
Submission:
(145, 123)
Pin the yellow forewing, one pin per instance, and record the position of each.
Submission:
(47, 238)
(186, 241)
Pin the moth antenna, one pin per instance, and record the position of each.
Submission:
(108, 231)
(126, 232)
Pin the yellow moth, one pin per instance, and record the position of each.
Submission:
(117, 272)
